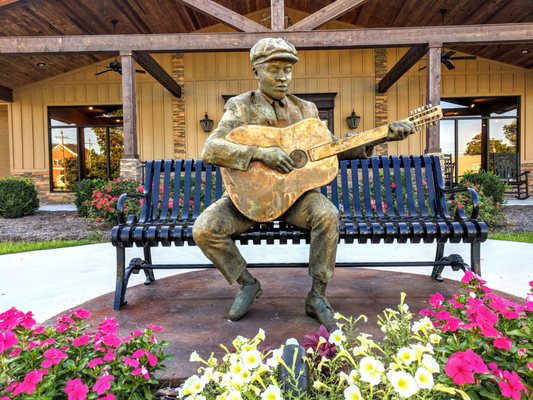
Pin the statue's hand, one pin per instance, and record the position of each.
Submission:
(275, 158)
(399, 130)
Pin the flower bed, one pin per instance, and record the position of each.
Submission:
(71, 361)
(475, 345)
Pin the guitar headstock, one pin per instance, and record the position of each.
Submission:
(425, 116)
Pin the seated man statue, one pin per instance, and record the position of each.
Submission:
(270, 105)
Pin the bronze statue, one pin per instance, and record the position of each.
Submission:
(270, 105)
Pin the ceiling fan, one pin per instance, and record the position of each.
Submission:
(446, 57)
(115, 65)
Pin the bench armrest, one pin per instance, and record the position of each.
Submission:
(120, 207)
(460, 213)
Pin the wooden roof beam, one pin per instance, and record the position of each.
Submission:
(238, 41)
(153, 68)
(6, 94)
(225, 15)
(326, 14)
(402, 66)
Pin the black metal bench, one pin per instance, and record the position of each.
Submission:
(381, 199)
(507, 167)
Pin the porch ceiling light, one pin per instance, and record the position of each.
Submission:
(41, 65)
(524, 51)
(353, 120)
(206, 123)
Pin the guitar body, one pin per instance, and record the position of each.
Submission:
(263, 194)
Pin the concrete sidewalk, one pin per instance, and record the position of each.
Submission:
(48, 282)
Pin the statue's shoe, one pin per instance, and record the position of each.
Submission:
(318, 307)
(243, 299)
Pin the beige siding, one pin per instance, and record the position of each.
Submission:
(29, 149)
(4, 141)
(478, 77)
(208, 76)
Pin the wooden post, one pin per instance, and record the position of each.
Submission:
(129, 105)
(433, 95)
(277, 15)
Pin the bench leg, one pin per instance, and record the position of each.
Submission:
(120, 289)
(149, 272)
(437, 269)
(475, 257)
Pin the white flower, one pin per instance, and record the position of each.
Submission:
(352, 393)
(291, 341)
(271, 393)
(371, 370)
(404, 384)
(423, 378)
(195, 357)
(337, 337)
(405, 308)
(234, 395)
(350, 379)
(423, 324)
(434, 338)
(406, 355)
(260, 334)
(429, 363)
(317, 385)
(192, 386)
(251, 359)
(273, 360)
(420, 349)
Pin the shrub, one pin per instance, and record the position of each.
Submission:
(489, 210)
(69, 360)
(489, 183)
(83, 192)
(18, 197)
(102, 207)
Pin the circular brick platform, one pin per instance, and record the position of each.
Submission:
(193, 307)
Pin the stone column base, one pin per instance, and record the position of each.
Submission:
(131, 168)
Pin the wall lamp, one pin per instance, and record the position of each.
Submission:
(207, 124)
(353, 120)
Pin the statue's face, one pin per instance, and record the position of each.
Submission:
(274, 77)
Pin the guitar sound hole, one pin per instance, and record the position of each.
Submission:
(299, 158)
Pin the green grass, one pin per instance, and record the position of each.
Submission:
(525, 237)
(20, 247)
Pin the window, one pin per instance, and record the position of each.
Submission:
(474, 129)
(86, 142)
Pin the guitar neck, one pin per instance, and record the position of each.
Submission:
(372, 136)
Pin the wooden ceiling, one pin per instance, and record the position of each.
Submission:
(90, 17)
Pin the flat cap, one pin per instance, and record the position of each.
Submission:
(272, 49)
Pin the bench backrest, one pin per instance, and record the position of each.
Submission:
(393, 186)
(506, 165)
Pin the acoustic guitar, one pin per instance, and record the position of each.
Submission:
(263, 194)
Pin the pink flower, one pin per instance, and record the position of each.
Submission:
(29, 384)
(76, 389)
(436, 300)
(81, 340)
(109, 396)
(511, 385)
(141, 371)
(53, 356)
(7, 340)
(503, 343)
(93, 363)
(108, 326)
(462, 365)
(452, 324)
(82, 313)
(130, 362)
(109, 356)
(102, 384)
(117, 180)
(111, 340)
(155, 328)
